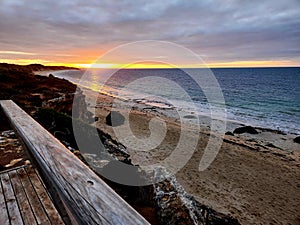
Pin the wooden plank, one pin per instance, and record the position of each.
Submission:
(25, 208)
(37, 207)
(11, 202)
(3, 210)
(51, 211)
(94, 203)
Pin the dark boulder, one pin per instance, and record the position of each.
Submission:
(229, 133)
(297, 139)
(246, 129)
(115, 119)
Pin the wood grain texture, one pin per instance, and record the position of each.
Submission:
(3, 210)
(36, 205)
(48, 206)
(24, 205)
(89, 202)
(13, 210)
(24, 199)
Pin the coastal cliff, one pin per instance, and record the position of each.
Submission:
(33, 92)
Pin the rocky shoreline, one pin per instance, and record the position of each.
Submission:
(49, 100)
(240, 183)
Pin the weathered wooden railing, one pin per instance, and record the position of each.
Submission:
(88, 200)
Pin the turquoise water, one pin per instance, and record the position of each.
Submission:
(265, 97)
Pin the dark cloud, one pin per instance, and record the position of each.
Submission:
(218, 30)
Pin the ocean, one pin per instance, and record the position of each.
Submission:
(262, 97)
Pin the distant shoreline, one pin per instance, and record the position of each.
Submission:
(231, 120)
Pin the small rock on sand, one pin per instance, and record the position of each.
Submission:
(245, 129)
(114, 119)
(297, 139)
(229, 133)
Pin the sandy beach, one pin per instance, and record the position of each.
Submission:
(255, 177)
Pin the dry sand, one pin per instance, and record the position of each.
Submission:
(255, 178)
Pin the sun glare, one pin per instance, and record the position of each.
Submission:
(152, 65)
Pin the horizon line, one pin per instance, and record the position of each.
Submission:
(140, 66)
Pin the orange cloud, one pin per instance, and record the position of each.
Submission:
(85, 58)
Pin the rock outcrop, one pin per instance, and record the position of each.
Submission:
(176, 206)
(72, 104)
(32, 92)
(245, 129)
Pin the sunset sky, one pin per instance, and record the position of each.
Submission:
(224, 33)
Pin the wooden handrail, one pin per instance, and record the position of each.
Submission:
(88, 199)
